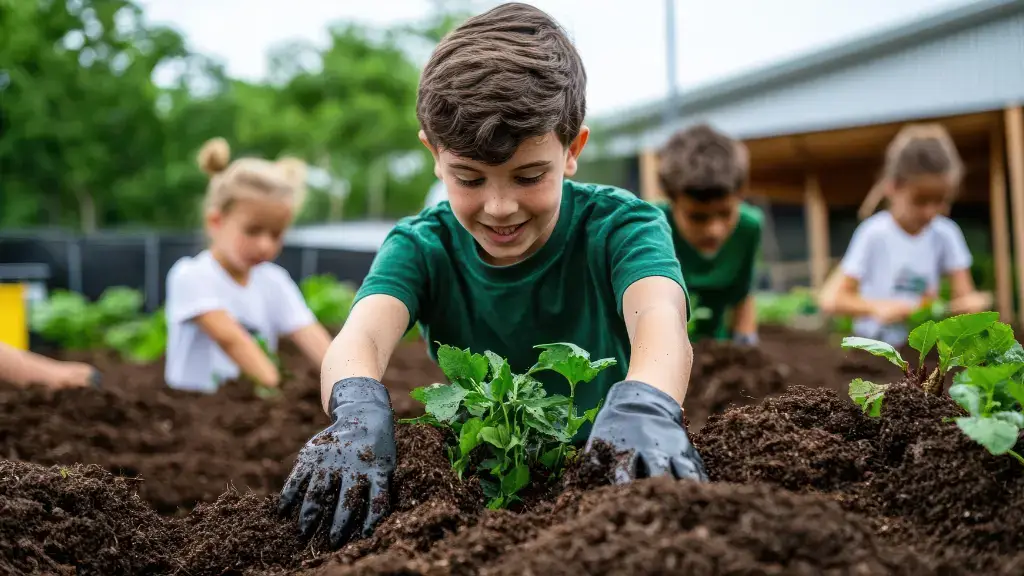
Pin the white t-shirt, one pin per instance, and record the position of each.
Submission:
(890, 264)
(268, 306)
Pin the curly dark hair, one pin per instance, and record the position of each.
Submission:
(702, 163)
(506, 75)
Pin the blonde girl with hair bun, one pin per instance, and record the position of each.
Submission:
(898, 256)
(222, 300)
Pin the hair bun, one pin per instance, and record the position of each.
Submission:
(214, 156)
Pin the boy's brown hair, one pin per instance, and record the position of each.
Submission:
(703, 164)
(503, 76)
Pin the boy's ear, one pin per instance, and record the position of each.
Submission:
(575, 148)
(433, 152)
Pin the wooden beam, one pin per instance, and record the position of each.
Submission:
(1015, 154)
(1000, 227)
(816, 216)
(650, 188)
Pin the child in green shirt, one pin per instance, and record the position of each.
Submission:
(518, 255)
(716, 235)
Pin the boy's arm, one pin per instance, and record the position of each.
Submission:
(654, 309)
(744, 322)
(364, 346)
(239, 345)
(22, 368)
(964, 298)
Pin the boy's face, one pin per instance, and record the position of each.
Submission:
(706, 225)
(512, 208)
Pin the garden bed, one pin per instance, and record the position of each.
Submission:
(802, 483)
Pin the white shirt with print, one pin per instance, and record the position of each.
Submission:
(890, 264)
(269, 305)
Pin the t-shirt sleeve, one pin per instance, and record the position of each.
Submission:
(639, 246)
(398, 270)
(856, 261)
(955, 254)
(291, 312)
(190, 291)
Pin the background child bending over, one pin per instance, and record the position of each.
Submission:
(898, 256)
(220, 301)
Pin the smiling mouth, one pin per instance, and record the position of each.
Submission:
(506, 230)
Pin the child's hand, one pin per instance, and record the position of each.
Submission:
(970, 303)
(892, 311)
(74, 375)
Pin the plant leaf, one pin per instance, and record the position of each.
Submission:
(967, 396)
(923, 339)
(1014, 354)
(494, 361)
(868, 396)
(591, 414)
(957, 345)
(986, 346)
(492, 436)
(997, 436)
(469, 436)
(875, 347)
(443, 400)
(550, 458)
(570, 361)
(503, 382)
(462, 366)
(515, 480)
(1015, 418)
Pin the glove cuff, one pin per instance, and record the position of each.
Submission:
(636, 392)
(358, 389)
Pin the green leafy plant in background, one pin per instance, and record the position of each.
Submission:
(990, 388)
(266, 391)
(329, 299)
(781, 309)
(697, 313)
(510, 416)
(140, 341)
(73, 323)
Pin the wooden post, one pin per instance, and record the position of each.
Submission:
(816, 216)
(1015, 155)
(650, 189)
(1000, 226)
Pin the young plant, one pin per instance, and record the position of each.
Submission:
(510, 416)
(140, 341)
(990, 388)
(262, 391)
(697, 313)
(329, 299)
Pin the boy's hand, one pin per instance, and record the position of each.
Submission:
(75, 375)
(746, 339)
(357, 448)
(892, 311)
(647, 422)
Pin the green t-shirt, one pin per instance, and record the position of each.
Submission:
(570, 290)
(721, 281)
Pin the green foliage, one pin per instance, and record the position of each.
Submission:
(329, 299)
(90, 141)
(990, 388)
(510, 417)
(781, 309)
(73, 323)
(142, 340)
(697, 313)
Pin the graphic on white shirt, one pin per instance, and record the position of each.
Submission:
(268, 306)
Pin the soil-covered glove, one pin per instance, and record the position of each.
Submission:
(357, 449)
(648, 423)
(746, 339)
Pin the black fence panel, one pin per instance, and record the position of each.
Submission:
(112, 261)
(345, 265)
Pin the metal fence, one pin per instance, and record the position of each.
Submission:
(91, 264)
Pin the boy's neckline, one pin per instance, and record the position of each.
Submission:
(523, 269)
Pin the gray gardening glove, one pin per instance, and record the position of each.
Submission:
(358, 447)
(643, 420)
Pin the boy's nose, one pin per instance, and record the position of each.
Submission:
(500, 206)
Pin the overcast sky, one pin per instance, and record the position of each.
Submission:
(622, 42)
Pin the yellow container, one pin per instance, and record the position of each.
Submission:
(13, 316)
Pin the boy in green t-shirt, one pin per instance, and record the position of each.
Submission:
(717, 235)
(519, 255)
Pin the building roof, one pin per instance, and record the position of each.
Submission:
(839, 58)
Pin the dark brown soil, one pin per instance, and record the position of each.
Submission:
(802, 483)
(187, 447)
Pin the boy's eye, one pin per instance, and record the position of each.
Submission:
(530, 179)
(470, 183)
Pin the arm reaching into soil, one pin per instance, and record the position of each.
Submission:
(23, 368)
(355, 456)
(643, 414)
(744, 323)
(840, 296)
(964, 298)
(364, 346)
(313, 340)
(654, 309)
(242, 348)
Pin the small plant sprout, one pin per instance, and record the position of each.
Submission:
(990, 388)
(510, 416)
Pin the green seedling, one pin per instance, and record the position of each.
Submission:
(509, 416)
(262, 391)
(990, 388)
